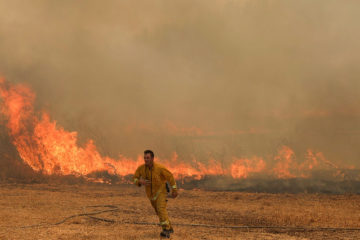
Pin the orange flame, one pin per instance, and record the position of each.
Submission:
(241, 168)
(47, 147)
(285, 162)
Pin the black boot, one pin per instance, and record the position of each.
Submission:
(165, 233)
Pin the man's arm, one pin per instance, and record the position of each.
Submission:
(138, 180)
(170, 178)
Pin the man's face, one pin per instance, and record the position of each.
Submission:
(148, 159)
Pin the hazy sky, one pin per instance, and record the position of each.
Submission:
(209, 78)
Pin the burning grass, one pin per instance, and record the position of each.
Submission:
(47, 148)
(49, 203)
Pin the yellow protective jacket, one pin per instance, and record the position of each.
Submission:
(158, 175)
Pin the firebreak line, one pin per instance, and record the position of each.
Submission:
(114, 208)
(232, 227)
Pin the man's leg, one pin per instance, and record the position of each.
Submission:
(162, 212)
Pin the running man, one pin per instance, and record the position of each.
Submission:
(155, 177)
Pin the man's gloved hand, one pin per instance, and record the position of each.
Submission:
(174, 193)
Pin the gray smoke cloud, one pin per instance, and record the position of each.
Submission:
(210, 79)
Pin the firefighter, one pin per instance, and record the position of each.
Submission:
(155, 177)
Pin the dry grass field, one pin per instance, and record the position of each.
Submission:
(24, 205)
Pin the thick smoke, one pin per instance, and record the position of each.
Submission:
(205, 79)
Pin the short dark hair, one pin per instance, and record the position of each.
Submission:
(149, 152)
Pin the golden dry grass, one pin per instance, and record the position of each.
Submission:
(23, 205)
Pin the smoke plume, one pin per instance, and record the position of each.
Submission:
(222, 80)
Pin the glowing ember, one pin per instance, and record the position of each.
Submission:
(47, 147)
